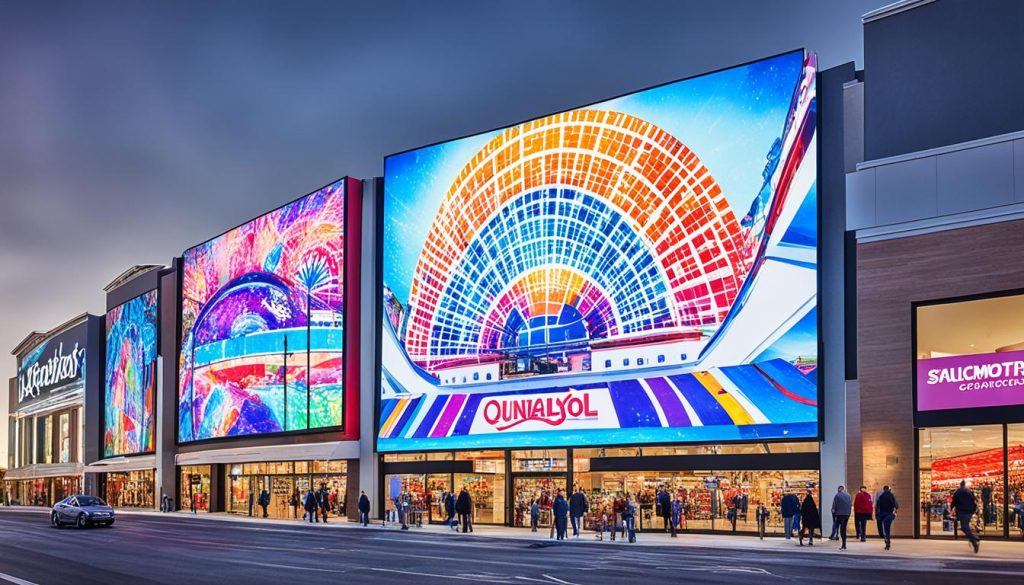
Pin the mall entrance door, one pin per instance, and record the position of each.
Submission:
(541, 488)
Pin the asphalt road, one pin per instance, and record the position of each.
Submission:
(183, 549)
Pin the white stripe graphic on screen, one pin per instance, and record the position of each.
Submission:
(690, 412)
(654, 400)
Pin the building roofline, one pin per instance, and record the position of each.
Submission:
(36, 337)
(131, 274)
(893, 9)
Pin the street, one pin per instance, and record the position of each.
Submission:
(186, 549)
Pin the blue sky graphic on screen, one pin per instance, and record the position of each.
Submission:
(642, 270)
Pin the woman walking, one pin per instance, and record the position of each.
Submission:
(809, 517)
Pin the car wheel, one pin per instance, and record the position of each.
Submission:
(82, 521)
(55, 520)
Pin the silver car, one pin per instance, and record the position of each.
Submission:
(82, 511)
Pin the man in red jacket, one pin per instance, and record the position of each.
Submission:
(862, 510)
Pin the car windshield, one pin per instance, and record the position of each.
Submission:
(90, 501)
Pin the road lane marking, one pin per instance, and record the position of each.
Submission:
(15, 580)
(475, 578)
(290, 567)
(557, 580)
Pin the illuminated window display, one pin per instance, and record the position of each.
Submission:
(262, 318)
(131, 489)
(970, 368)
(286, 482)
(194, 483)
(614, 274)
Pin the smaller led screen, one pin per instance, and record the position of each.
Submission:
(970, 354)
(130, 386)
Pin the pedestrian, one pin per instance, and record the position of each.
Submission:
(862, 510)
(842, 506)
(364, 509)
(192, 502)
(665, 507)
(164, 507)
(629, 517)
(885, 512)
(264, 501)
(464, 508)
(400, 505)
(761, 515)
(449, 510)
(534, 516)
(604, 523)
(809, 517)
(250, 502)
(790, 506)
(324, 500)
(560, 510)
(310, 505)
(578, 507)
(965, 506)
(677, 513)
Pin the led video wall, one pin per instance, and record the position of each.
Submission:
(129, 425)
(639, 270)
(262, 324)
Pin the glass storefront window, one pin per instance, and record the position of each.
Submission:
(539, 460)
(131, 489)
(286, 482)
(1015, 478)
(65, 437)
(949, 455)
(49, 440)
(710, 499)
(195, 488)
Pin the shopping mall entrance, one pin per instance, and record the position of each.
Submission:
(286, 482)
(719, 486)
(969, 412)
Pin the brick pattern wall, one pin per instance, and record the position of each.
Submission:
(890, 275)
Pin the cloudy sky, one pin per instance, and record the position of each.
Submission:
(130, 131)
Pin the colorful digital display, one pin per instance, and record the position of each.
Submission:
(53, 369)
(129, 399)
(641, 270)
(262, 324)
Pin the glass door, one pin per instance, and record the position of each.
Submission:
(539, 488)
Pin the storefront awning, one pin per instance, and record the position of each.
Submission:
(116, 464)
(41, 470)
(308, 452)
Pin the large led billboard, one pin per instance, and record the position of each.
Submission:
(129, 421)
(640, 270)
(262, 324)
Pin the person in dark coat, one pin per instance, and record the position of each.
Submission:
(560, 509)
(364, 508)
(885, 512)
(790, 505)
(464, 508)
(311, 505)
(578, 507)
(449, 510)
(665, 507)
(264, 501)
(965, 506)
(809, 518)
(324, 498)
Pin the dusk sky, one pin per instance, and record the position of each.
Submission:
(131, 131)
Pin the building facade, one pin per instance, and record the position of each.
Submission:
(57, 369)
(933, 204)
(584, 301)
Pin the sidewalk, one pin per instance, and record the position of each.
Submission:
(908, 548)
